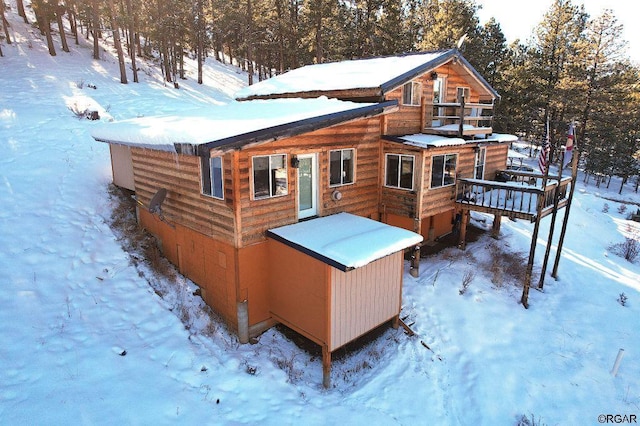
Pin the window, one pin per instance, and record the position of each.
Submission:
(443, 170)
(411, 94)
(463, 91)
(212, 183)
(341, 165)
(269, 176)
(399, 171)
(478, 172)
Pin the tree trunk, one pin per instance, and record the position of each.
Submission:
(42, 16)
(60, 11)
(5, 23)
(319, 48)
(116, 41)
(132, 40)
(95, 30)
(21, 11)
(249, 40)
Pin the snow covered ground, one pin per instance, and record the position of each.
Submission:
(85, 339)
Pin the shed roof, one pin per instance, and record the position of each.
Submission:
(422, 140)
(345, 241)
(383, 74)
(235, 125)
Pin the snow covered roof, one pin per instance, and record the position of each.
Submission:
(422, 140)
(383, 74)
(234, 125)
(353, 242)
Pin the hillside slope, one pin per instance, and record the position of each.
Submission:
(86, 339)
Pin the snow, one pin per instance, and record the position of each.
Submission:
(354, 241)
(360, 73)
(73, 301)
(211, 123)
(425, 141)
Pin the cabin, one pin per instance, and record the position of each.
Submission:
(297, 203)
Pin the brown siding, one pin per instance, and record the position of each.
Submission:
(364, 298)
(409, 119)
(184, 204)
(360, 198)
(400, 202)
(298, 286)
(496, 159)
(209, 263)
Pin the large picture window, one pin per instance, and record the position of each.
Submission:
(443, 170)
(212, 184)
(341, 165)
(269, 176)
(399, 171)
(411, 94)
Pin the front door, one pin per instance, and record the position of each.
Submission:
(438, 97)
(307, 185)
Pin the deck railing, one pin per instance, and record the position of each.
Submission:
(517, 199)
(459, 117)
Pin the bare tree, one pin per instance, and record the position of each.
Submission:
(116, 41)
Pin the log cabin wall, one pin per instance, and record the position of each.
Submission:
(359, 198)
(400, 202)
(409, 119)
(185, 204)
(441, 199)
(496, 159)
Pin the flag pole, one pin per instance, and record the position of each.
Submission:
(574, 176)
(524, 299)
(556, 200)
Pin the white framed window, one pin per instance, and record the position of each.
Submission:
(478, 171)
(399, 171)
(443, 170)
(411, 94)
(341, 166)
(269, 176)
(463, 92)
(212, 179)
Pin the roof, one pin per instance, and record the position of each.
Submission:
(422, 140)
(353, 242)
(234, 125)
(383, 74)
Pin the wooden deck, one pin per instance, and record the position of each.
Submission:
(525, 199)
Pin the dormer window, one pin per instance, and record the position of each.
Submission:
(411, 94)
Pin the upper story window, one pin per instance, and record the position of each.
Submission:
(443, 170)
(399, 171)
(463, 92)
(478, 171)
(211, 171)
(269, 176)
(411, 94)
(341, 166)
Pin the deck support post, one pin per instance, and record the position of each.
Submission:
(462, 240)
(414, 270)
(495, 230)
(326, 367)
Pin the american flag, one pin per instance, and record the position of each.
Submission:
(568, 151)
(543, 158)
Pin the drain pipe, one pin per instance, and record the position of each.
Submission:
(243, 322)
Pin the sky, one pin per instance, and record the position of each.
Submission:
(91, 335)
(517, 18)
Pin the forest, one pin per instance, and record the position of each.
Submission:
(573, 68)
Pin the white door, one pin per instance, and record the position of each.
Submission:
(307, 185)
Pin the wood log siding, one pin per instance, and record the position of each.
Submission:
(185, 204)
(361, 197)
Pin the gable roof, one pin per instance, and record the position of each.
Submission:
(235, 125)
(374, 77)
